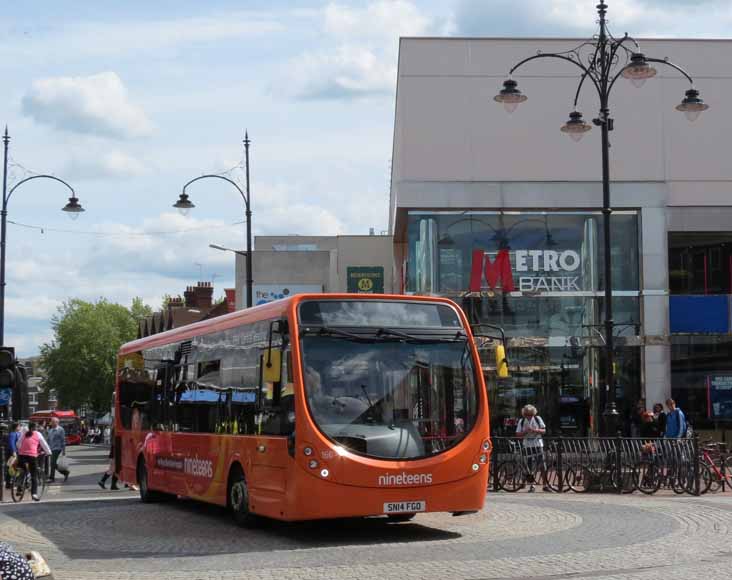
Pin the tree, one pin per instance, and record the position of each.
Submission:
(81, 360)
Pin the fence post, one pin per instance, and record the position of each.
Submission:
(619, 462)
(560, 471)
(3, 467)
(695, 451)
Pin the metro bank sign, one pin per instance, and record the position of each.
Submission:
(535, 270)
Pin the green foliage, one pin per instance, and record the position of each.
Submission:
(81, 360)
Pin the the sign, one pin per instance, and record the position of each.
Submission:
(719, 397)
(365, 279)
(536, 270)
(5, 396)
(264, 293)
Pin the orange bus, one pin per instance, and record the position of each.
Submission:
(68, 419)
(315, 406)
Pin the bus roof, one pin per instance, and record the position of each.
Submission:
(55, 413)
(277, 308)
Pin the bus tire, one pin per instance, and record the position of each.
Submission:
(147, 495)
(400, 517)
(238, 498)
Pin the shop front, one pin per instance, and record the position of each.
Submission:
(539, 275)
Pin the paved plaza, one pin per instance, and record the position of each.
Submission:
(86, 533)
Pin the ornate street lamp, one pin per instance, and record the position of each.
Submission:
(602, 60)
(184, 205)
(72, 208)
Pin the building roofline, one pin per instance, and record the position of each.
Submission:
(561, 38)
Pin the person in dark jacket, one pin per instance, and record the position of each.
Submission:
(660, 418)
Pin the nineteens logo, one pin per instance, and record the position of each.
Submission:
(198, 467)
(406, 479)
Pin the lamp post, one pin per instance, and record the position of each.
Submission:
(603, 60)
(184, 205)
(73, 208)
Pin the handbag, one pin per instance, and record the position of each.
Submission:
(62, 464)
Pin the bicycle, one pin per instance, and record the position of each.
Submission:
(527, 465)
(23, 480)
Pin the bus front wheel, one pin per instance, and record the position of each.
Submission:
(239, 499)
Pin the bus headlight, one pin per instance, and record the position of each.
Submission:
(312, 464)
(484, 458)
(308, 451)
(486, 445)
(476, 467)
(324, 473)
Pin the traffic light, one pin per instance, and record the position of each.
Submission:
(8, 368)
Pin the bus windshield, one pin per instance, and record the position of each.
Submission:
(384, 395)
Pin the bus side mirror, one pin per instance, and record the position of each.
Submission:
(501, 362)
(272, 366)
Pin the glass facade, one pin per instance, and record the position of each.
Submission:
(701, 379)
(540, 276)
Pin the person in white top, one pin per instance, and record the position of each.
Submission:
(530, 429)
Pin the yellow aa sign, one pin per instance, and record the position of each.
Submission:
(365, 284)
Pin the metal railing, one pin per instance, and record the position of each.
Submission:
(608, 464)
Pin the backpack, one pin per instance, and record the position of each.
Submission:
(539, 422)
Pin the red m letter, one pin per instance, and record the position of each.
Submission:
(500, 269)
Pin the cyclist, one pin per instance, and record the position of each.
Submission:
(30, 448)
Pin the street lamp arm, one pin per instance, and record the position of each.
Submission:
(618, 44)
(231, 181)
(21, 182)
(586, 72)
(673, 66)
(658, 60)
(579, 88)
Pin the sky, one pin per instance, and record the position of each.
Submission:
(127, 101)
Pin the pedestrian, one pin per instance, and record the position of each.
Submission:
(530, 429)
(636, 419)
(110, 471)
(675, 421)
(31, 446)
(107, 436)
(11, 450)
(649, 426)
(660, 418)
(57, 443)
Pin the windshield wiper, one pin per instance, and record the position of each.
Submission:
(329, 331)
(399, 334)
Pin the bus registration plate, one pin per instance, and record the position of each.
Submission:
(401, 507)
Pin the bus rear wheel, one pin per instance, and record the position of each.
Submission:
(238, 499)
(147, 495)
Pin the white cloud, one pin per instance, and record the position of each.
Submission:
(93, 39)
(645, 18)
(115, 164)
(363, 61)
(96, 105)
(32, 307)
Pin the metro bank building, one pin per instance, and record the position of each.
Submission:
(502, 213)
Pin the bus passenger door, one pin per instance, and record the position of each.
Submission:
(270, 457)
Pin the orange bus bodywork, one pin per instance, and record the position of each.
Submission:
(280, 486)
